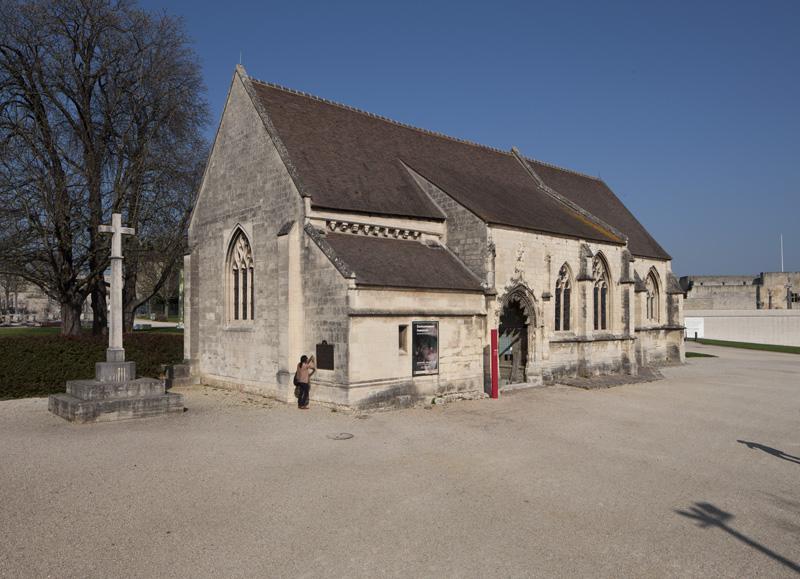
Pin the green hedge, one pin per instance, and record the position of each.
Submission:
(38, 365)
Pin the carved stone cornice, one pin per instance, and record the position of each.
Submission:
(354, 228)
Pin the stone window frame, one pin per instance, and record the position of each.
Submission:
(652, 297)
(403, 335)
(239, 276)
(601, 294)
(563, 302)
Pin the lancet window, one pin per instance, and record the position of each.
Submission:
(652, 298)
(563, 300)
(601, 299)
(241, 281)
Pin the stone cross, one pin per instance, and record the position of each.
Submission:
(115, 351)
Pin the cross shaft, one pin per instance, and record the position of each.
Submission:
(115, 352)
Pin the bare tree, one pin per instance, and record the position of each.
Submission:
(101, 110)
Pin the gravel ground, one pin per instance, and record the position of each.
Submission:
(549, 482)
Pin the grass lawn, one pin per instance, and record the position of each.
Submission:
(750, 346)
(699, 355)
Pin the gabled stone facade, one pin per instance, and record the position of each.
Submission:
(355, 286)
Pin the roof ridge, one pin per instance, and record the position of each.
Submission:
(554, 166)
(379, 117)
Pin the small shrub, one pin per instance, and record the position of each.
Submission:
(39, 365)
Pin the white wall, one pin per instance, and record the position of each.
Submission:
(781, 327)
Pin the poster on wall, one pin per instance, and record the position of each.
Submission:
(425, 343)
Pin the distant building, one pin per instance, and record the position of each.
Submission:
(22, 302)
(766, 291)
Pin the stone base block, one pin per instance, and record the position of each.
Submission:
(94, 390)
(74, 409)
(178, 375)
(115, 371)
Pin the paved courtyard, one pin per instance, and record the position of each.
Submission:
(695, 475)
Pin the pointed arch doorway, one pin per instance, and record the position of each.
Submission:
(515, 344)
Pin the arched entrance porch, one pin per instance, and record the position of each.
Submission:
(516, 338)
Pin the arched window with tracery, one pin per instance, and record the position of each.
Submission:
(601, 298)
(563, 299)
(652, 297)
(240, 279)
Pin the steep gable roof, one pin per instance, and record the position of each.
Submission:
(596, 197)
(350, 160)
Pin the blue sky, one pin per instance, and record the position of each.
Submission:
(688, 110)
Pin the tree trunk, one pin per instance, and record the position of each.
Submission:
(71, 319)
(99, 308)
(129, 301)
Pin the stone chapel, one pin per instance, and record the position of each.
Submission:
(391, 253)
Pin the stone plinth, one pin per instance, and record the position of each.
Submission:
(114, 394)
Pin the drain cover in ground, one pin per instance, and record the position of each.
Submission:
(340, 436)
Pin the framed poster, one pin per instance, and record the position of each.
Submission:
(425, 347)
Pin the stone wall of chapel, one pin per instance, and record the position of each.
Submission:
(325, 317)
(245, 183)
(658, 341)
(466, 234)
(642, 266)
(524, 255)
(380, 370)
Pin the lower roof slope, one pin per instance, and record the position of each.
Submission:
(377, 261)
(350, 160)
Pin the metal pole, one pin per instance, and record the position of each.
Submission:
(495, 366)
(781, 252)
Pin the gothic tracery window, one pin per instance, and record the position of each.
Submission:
(563, 299)
(652, 298)
(601, 286)
(241, 282)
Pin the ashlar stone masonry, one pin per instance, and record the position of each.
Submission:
(394, 251)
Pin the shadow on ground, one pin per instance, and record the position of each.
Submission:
(707, 515)
(773, 451)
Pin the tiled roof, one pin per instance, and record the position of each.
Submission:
(350, 160)
(377, 261)
(596, 197)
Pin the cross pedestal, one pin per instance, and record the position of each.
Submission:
(115, 393)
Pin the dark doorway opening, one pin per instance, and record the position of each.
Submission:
(513, 344)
